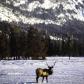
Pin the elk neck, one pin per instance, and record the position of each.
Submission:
(50, 71)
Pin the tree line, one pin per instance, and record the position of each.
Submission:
(17, 43)
(67, 46)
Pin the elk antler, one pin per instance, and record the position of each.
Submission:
(47, 64)
(54, 64)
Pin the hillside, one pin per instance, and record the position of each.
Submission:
(58, 16)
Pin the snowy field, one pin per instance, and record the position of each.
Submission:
(65, 71)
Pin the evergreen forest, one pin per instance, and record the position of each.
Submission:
(17, 43)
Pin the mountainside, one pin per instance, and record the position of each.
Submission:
(57, 16)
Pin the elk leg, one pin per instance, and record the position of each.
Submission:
(42, 79)
(37, 79)
(47, 79)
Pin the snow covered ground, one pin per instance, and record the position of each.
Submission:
(23, 71)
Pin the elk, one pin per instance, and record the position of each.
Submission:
(44, 72)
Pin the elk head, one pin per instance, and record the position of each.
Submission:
(50, 68)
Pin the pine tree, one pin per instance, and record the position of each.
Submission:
(13, 41)
(55, 48)
(3, 49)
(35, 43)
(47, 43)
(69, 46)
(63, 47)
(59, 49)
(75, 48)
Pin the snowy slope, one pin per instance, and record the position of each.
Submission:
(60, 9)
(23, 71)
(55, 15)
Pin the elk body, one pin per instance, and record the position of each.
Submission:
(44, 72)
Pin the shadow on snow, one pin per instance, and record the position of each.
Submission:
(27, 83)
